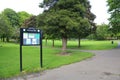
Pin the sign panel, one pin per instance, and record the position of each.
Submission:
(30, 36)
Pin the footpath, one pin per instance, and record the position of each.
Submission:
(105, 65)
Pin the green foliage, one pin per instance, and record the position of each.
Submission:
(11, 16)
(9, 23)
(66, 17)
(91, 37)
(30, 22)
(114, 10)
(2, 25)
(5, 28)
(23, 16)
(103, 32)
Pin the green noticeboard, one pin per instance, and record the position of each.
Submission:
(30, 37)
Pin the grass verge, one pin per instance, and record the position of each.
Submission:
(9, 59)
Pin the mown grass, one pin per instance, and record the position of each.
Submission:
(9, 59)
(9, 56)
(85, 44)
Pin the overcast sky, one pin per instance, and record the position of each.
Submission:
(31, 6)
(100, 8)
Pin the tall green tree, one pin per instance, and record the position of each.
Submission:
(23, 16)
(45, 24)
(30, 22)
(11, 16)
(86, 23)
(114, 10)
(103, 32)
(2, 27)
(66, 16)
(6, 31)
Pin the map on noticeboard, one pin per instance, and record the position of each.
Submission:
(31, 38)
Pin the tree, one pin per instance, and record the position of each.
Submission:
(11, 16)
(86, 23)
(30, 22)
(2, 26)
(23, 16)
(65, 16)
(6, 30)
(114, 10)
(43, 23)
(12, 19)
(103, 32)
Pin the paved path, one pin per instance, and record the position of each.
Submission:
(104, 66)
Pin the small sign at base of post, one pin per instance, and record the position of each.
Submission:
(30, 37)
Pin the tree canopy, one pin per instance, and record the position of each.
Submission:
(5, 28)
(11, 16)
(114, 10)
(10, 22)
(23, 16)
(103, 32)
(65, 18)
(30, 22)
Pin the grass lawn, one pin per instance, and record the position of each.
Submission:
(9, 56)
(9, 59)
(85, 44)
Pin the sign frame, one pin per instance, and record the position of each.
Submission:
(35, 40)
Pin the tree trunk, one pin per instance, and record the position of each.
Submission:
(46, 41)
(64, 45)
(3, 39)
(53, 43)
(7, 39)
(79, 42)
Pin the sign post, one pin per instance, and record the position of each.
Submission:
(30, 37)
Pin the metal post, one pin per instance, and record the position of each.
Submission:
(41, 56)
(20, 58)
(20, 50)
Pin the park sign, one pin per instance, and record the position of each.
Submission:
(30, 37)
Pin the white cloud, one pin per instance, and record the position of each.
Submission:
(99, 8)
(30, 6)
